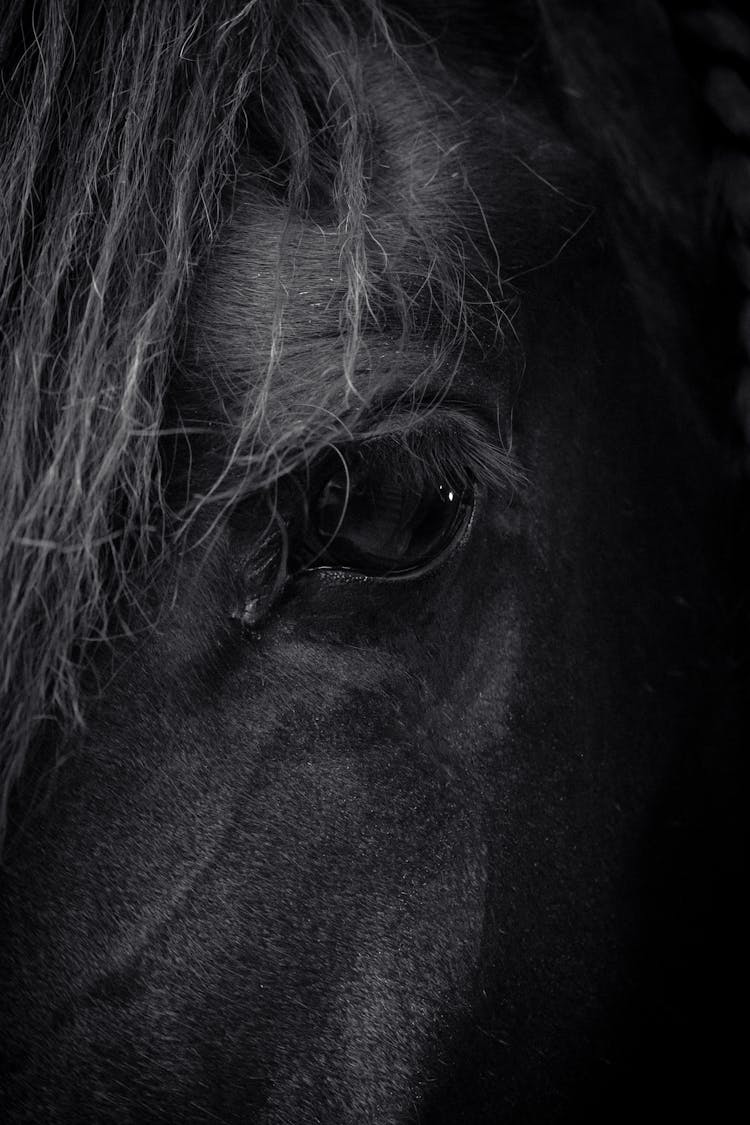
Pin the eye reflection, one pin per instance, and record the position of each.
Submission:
(380, 517)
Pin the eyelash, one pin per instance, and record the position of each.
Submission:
(433, 462)
(450, 443)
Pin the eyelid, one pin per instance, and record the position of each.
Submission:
(453, 440)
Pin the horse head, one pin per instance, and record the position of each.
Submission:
(366, 624)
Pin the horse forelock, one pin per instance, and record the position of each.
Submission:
(124, 131)
(121, 131)
(130, 133)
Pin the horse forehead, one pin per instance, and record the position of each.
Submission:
(417, 192)
(462, 187)
(433, 194)
(273, 266)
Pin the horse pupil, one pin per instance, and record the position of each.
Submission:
(374, 519)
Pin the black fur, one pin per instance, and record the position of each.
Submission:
(387, 851)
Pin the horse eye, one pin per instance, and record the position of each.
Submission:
(382, 520)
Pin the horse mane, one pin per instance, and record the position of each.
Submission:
(123, 131)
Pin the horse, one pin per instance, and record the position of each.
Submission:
(369, 590)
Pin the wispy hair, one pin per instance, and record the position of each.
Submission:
(122, 132)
